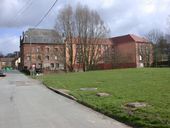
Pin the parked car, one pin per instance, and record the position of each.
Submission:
(2, 74)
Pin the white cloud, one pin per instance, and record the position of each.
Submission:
(107, 3)
(111, 10)
(123, 16)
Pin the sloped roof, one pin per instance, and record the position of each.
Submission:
(41, 32)
(36, 35)
(129, 38)
(103, 41)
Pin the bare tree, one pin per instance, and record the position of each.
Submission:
(168, 39)
(145, 51)
(83, 30)
(91, 30)
(155, 36)
(65, 26)
(168, 23)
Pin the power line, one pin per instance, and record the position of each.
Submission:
(26, 6)
(46, 14)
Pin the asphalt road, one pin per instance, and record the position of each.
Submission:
(25, 103)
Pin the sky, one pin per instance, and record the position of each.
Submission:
(122, 17)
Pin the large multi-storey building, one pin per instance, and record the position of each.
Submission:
(41, 48)
(131, 51)
(44, 49)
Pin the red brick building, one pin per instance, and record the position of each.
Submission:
(42, 48)
(7, 62)
(131, 51)
(99, 53)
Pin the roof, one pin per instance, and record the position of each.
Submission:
(36, 35)
(41, 32)
(129, 38)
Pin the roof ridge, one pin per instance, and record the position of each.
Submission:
(129, 37)
(138, 38)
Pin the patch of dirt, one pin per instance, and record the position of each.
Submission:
(102, 94)
(132, 106)
(136, 105)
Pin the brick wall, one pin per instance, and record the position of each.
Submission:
(50, 56)
(124, 55)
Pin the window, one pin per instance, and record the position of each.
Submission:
(55, 57)
(102, 46)
(147, 49)
(99, 46)
(56, 49)
(38, 49)
(57, 65)
(140, 57)
(46, 40)
(47, 58)
(105, 47)
(78, 46)
(79, 57)
(28, 58)
(52, 65)
(48, 50)
(39, 57)
(40, 65)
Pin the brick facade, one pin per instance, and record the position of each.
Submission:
(132, 51)
(41, 47)
(100, 52)
(44, 55)
(7, 62)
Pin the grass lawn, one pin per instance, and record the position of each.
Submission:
(149, 85)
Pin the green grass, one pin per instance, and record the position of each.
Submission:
(149, 85)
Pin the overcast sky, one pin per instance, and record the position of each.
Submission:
(122, 16)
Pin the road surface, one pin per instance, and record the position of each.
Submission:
(26, 103)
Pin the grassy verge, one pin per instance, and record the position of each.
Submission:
(148, 85)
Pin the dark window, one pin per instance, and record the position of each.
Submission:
(52, 65)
